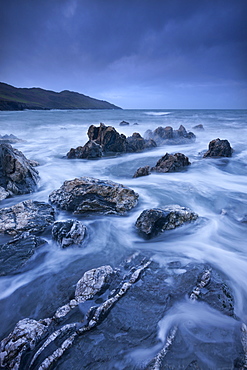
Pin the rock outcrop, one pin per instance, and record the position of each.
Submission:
(166, 135)
(142, 171)
(108, 137)
(136, 143)
(9, 139)
(91, 150)
(15, 254)
(17, 176)
(219, 148)
(171, 163)
(89, 195)
(26, 216)
(154, 221)
(68, 233)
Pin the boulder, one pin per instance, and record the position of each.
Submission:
(91, 150)
(171, 163)
(124, 123)
(17, 176)
(26, 216)
(90, 195)
(156, 220)
(219, 148)
(68, 233)
(136, 143)
(15, 253)
(142, 171)
(109, 139)
(198, 127)
(166, 135)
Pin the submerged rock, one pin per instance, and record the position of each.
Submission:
(166, 135)
(91, 150)
(17, 176)
(26, 216)
(219, 148)
(156, 220)
(198, 127)
(171, 163)
(124, 123)
(15, 253)
(68, 233)
(90, 195)
(142, 171)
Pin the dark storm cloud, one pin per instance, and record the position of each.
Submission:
(117, 49)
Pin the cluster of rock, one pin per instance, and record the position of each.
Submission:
(167, 135)
(9, 139)
(106, 139)
(17, 174)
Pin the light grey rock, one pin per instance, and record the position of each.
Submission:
(26, 216)
(3, 193)
(68, 233)
(90, 195)
(156, 220)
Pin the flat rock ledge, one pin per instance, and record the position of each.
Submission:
(156, 220)
(26, 216)
(87, 195)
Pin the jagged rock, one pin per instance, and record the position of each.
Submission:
(198, 127)
(124, 123)
(69, 232)
(15, 253)
(9, 139)
(26, 216)
(3, 193)
(109, 139)
(166, 135)
(90, 150)
(219, 148)
(24, 336)
(136, 143)
(156, 220)
(17, 176)
(90, 195)
(171, 163)
(142, 171)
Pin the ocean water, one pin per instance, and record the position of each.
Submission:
(216, 189)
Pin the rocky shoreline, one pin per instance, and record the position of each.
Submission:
(41, 343)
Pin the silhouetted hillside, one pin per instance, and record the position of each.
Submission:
(12, 98)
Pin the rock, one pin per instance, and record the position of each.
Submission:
(156, 220)
(166, 135)
(171, 163)
(198, 127)
(17, 176)
(142, 171)
(219, 148)
(136, 143)
(3, 193)
(90, 150)
(124, 123)
(69, 232)
(109, 139)
(15, 253)
(90, 195)
(24, 336)
(33, 163)
(26, 216)
(9, 139)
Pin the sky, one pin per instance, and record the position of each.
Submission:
(149, 54)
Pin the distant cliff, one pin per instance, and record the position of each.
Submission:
(12, 98)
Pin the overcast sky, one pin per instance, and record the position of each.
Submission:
(133, 53)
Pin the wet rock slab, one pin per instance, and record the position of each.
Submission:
(89, 195)
(154, 221)
(26, 216)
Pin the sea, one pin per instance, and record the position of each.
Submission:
(214, 188)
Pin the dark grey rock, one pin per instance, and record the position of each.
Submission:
(91, 150)
(219, 148)
(90, 195)
(124, 123)
(69, 232)
(171, 163)
(109, 139)
(156, 220)
(26, 216)
(17, 176)
(198, 127)
(15, 253)
(142, 171)
(166, 135)
(136, 143)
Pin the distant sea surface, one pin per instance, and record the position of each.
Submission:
(216, 189)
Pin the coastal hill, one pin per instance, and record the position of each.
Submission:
(12, 98)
